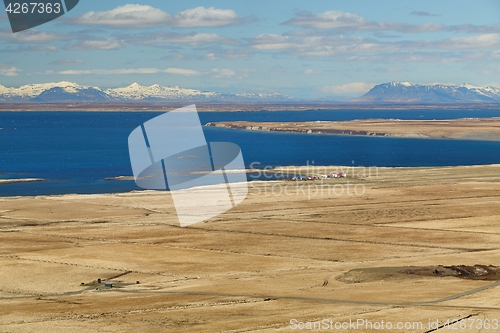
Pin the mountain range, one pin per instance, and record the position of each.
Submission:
(59, 92)
(392, 92)
(405, 92)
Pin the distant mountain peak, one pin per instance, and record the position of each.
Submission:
(391, 92)
(68, 91)
(403, 83)
(406, 92)
(470, 86)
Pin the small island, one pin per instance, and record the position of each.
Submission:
(20, 180)
(464, 129)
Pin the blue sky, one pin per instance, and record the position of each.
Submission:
(307, 49)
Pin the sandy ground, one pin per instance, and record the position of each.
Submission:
(308, 251)
(466, 129)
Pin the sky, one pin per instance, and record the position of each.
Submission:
(306, 49)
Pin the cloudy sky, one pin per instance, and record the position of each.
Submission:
(307, 49)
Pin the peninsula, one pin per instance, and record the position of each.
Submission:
(465, 129)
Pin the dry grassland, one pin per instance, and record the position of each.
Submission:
(467, 129)
(306, 256)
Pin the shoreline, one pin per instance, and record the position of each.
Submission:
(477, 129)
(208, 106)
(352, 173)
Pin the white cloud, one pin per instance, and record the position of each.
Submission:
(354, 88)
(9, 71)
(177, 57)
(206, 17)
(223, 73)
(327, 20)
(31, 49)
(311, 72)
(210, 56)
(97, 44)
(32, 36)
(483, 41)
(310, 43)
(181, 71)
(176, 38)
(127, 16)
(66, 62)
(143, 16)
(353, 22)
(320, 46)
(236, 53)
(472, 28)
(218, 73)
(421, 13)
(122, 71)
(273, 42)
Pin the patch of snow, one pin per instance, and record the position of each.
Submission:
(137, 92)
(33, 90)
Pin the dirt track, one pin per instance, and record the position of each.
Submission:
(271, 259)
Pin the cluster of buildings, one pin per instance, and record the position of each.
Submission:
(331, 175)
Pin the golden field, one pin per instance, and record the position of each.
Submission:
(310, 253)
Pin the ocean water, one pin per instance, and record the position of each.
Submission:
(75, 151)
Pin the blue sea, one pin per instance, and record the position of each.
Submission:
(75, 151)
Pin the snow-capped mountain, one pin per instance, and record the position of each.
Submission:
(137, 92)
(64, 91)
(33, 90)
(58, 94)
(393, 92)
(406, 92)
(275, 96)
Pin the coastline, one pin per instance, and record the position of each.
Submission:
(211, 106)
(280, 174)
(479, 129)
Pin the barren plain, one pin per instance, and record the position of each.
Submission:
(351, 249)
